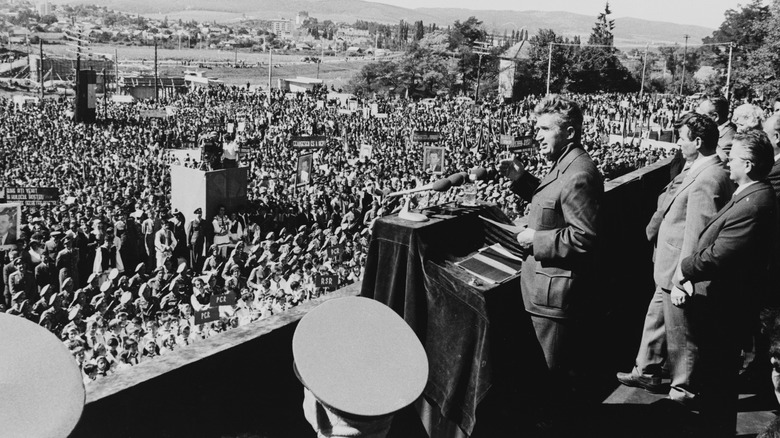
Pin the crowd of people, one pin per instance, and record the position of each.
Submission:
(122, 276)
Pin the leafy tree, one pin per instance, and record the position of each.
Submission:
(598, 67)
(747, 28)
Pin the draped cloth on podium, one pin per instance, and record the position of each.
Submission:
(410, 268)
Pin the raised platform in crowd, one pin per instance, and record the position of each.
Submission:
(241, 383)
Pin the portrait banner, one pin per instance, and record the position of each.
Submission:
(10, 224)
(303, 169)
(433, 160)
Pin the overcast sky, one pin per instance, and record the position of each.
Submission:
(707, 13)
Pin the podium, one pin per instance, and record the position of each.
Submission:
(193, 188)
(474, 334)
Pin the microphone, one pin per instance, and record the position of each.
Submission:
(442, 185)
(480, 174)
(458, 179)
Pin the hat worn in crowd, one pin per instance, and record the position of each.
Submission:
(357, 356)
(39, 375)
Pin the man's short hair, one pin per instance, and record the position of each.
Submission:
(721, 105)
(10, 212)
(568, 110)
(759, 151)
(700, 126)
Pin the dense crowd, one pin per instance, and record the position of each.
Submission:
(121, 276)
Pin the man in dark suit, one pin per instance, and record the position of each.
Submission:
(717, 108)
(772, 130)
(561, 233)
(721, 278)
(684, 208)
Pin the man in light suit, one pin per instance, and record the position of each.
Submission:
(561, 234)
(721, 278)
(684, 208)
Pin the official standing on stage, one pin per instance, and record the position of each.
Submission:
(684, 208)
(723, 276)
(561, 234)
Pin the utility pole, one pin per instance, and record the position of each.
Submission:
(116, 71)
(270, 68)
(40, 69)
(685, 56)
(728, 72)
(482, 50)
(105, 93)
(156, 95)
(322, 55)
(644, 66)
(236, 60)
(549, 68)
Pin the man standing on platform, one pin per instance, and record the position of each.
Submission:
(561, 234)
(725, 274)
(684, 208)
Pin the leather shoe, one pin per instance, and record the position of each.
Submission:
(634, 380)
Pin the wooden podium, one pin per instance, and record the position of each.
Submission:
(193, 188)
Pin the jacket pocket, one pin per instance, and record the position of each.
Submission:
(549, 217)
(552, 287)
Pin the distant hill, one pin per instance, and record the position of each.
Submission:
(627, 30)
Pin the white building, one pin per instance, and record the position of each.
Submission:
(282, 27)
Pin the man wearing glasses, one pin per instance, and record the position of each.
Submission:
(725, 274)
(684, 208)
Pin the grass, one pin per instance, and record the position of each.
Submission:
(334, 70)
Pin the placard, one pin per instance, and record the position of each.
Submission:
(507, 140)
(208, 315)
(10, 223)
(335, 250)
(365, 151)
(328, 281)
(303, 169)
(308, 142)
(381, 115)
(433, 160)
(32, 195)
(153, 114)
(230, 127)
(426, 136)
(523, 144)
(226, 299)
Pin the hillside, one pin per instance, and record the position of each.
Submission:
(628, 30)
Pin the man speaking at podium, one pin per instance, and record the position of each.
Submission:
(561, 233)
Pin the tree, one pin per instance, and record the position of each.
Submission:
(598, 67)
(747, 28)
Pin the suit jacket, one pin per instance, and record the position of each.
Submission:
(682, 214)
(725, 139)
(729, 266)
(10, 238)
(774, 179)
(564, 211)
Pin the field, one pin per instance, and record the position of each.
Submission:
(334, 70)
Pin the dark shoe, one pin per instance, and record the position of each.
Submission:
(649, 384)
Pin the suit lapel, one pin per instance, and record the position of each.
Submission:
(560, 166)
(687, 181)
(734, 200)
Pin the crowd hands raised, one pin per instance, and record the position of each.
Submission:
(119, 275)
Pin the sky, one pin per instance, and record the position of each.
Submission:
(707, 13)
